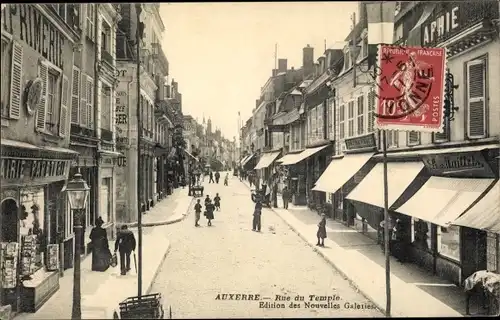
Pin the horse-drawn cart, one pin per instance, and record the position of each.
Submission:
(145, 307)
(196, 190)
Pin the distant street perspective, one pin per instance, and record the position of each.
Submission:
(212, 160)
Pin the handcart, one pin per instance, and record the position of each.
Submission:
(145, 307)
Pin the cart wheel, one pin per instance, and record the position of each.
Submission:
(115, 315)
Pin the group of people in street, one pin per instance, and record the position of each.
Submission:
(210, 208)
(102, 258)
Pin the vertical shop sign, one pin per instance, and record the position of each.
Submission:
(410, 88)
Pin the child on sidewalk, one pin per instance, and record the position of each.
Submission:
(197, 211)
(217, 202)
(226, 179)
(321, 234)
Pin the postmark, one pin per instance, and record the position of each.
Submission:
(410, 87)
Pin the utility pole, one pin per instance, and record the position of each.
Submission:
(138, 39)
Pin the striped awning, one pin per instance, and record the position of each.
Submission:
(266, 160)
(245, 161)
(485, 215)
(298, 157)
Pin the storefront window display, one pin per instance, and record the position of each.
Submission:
(420, 234)
(448, 242)
(32, 224)
(105, 211)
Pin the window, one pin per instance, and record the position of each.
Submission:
(91, 7)
(90, 103)
(398, 32)
(75, 96)
(371, 111)
(448, 241)
(342, 122)
(347, 59)
(5, 82)
(350, 121)
(364, 47)
(361, 115)
(11, 101)
(476, 99)
(51, 100)
(392, 137)
(413, 138)
(106, 108)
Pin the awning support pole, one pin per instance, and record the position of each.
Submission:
(386, 229)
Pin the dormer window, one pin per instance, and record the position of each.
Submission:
(364, 47)
(347, 59)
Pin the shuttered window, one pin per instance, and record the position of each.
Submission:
(41, 111)
(371, 111)
(476, 102)
(90, 102)
(342, 122)
(91, 7)
(64, 113)
(413, 138)
(361, 115)
(83, 101)
(5, 85)
(16, 84)
(52, 101)
(350, 121)
(75, 96)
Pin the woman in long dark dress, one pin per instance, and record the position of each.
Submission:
(101, 255)
(321, 234)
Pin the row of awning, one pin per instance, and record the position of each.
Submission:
(444, 201)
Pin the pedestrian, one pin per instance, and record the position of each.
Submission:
(101, 255)
(217, 177)
(217, 202)
(211, 177)
(321, 234)
(197, 212)
(209, 212)
(257, 212)
(398, 249)
(286, 197)
(226, 179)
(207, 200)
(275, 195)
(125, 243)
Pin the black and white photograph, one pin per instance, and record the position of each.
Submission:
(218, 160)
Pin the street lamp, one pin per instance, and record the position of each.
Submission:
(78, 192)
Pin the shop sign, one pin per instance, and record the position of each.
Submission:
(410, 88)
(32, 27)
(122, 114)
(21, 170)
(470, 164)
(452, 18)
(363, 142)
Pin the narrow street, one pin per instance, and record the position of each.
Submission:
(229, 258)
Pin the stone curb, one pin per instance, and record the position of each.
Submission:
(162, 223)
(328, 260)
(148, 291)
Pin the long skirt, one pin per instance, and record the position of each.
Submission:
(101, 258)
(321, 232)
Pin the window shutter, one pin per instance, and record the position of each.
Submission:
(83, 101)
(371, 109)
(413, 137)
(16, 85)
(75, 96)
(476, 99)
(41, 111)
(90, 103)
(63, 116)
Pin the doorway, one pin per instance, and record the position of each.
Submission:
(9, 221)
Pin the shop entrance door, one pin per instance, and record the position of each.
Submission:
(9, 221)
(9, 293)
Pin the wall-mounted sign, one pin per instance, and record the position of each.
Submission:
(122, 114)
(363, 142)
(466, 164)
(21, 170)
(33, 95)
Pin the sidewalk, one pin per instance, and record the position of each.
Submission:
(102, 291)
(169, 210)
(415, 293)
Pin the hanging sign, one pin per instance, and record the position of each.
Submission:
(410, 88)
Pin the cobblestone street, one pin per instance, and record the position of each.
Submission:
(229, 258)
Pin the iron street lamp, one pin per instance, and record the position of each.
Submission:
(78, 191)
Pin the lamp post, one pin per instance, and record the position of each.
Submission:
(78, 192)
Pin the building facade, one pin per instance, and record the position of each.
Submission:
(36, 158)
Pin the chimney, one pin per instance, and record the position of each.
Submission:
(308, 60)
(282, 65)
(274, 72)
(174, 89)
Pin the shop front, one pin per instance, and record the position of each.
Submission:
(265, 165)
(297, 172)
(32, 179)
(107, 200)
(344, 173)
(459, 180)
(316, 165)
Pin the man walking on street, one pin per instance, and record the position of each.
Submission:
(211, 177)
(286, 197)
(125, 242)
(256, 224)
(197, 211)
(217, 177)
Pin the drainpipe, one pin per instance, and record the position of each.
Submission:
(97, 108)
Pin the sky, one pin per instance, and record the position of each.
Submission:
(221, 54)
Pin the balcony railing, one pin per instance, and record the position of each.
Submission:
(106, 135)
(106, 56)
(82, 131)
